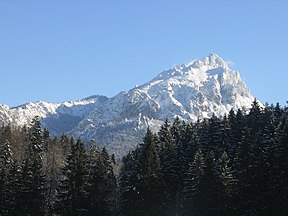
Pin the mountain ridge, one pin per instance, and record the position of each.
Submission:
(189, 91)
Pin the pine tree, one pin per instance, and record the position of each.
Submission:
(192, 190)
(19, 143)
(31, 189)
(227, 185)
(72, 192)
(267, 164)
(177, 131)
(190, 144)
(130, 184)
(165, 139)
(280, 171)
(53, 164)
(102, 184)
(210, 187)
(225, 135)
(168, 158)
(255, 120)
(236, 124)
(243, 171)
(214, 142)
(150, 189)
(6, 179)
(277, 112)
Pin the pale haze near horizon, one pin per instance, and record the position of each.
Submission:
(67, 50)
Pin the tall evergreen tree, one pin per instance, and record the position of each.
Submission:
(227, 186)
(255, 120)
(267, 164)
(53, 164)
(150, 189)
(30, 200)
(130, 185)
(102, 186)
(192, 201)
(168, 157)
(177, 129)
(72, 192)
(243, 171)
(280, 171)
(210, 187)
(214, 140)
(236, 124)
(7, 193)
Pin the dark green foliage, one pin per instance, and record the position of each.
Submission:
(30, 194)
(233, 165)
(192, 185)
(144, 182)
(168, 157)
(130, 184)
(151, 178)
(7, 171)
(72, 197)
(88, 185)
(53, 164)
(227, 186)
(102, 186)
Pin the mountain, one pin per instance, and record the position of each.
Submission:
(189, 91)
(58, 117)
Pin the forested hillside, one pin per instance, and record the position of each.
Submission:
(233, 165)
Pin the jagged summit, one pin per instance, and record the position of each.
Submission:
(189, 91)
(212, 61)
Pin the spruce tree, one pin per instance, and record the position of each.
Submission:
(7, 194)
(236, 124)
(227, 186)
(30, 199)
(280, 171)
(102, 186)
(150, 190)
(168, 157)
(267, 164)
(130, 185)
(255, 120)
(243, 171)
(53, 164)
(72, 192)
(214, 140)
(192, 190)
(210, 187)
(177, 129)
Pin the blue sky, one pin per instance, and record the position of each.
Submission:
(58, 50)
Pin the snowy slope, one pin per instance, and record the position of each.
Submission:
(190, 91)
(59, 117)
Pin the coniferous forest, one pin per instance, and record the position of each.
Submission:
(233, 165)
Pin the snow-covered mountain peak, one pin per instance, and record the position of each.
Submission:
(196, 90)
(190, 91)
(210, 65)
(213, 60)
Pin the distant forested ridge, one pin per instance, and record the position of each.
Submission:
(233, 165)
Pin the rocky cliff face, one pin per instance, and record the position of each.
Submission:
(189, 91)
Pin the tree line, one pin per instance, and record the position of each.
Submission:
(233, 165)
(40, 175)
